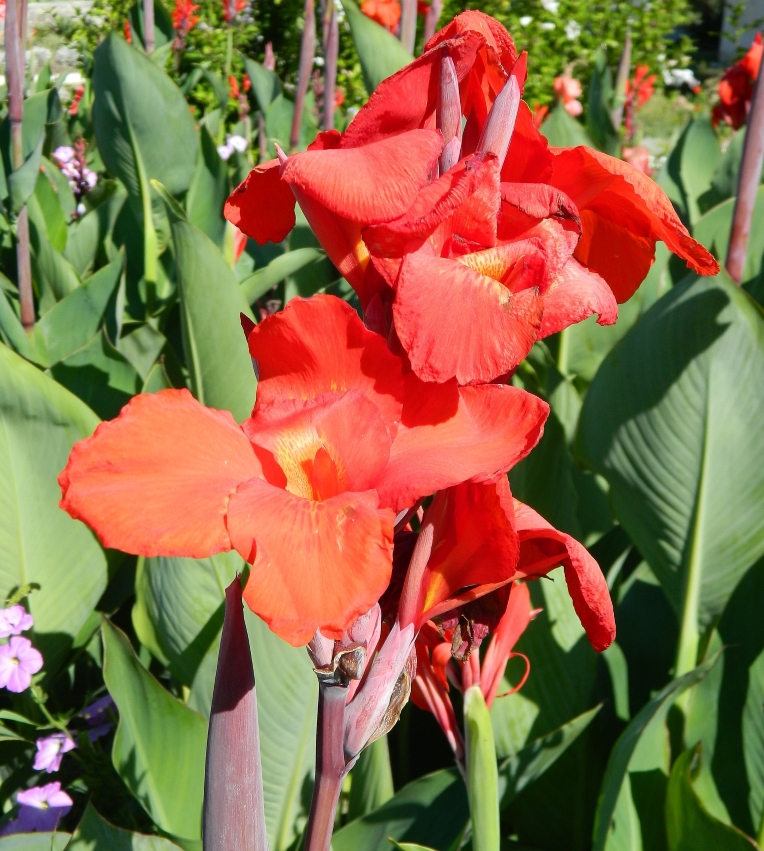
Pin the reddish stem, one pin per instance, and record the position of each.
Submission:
(330, 766)
(331, 52)
(148, 25)
(14, 65)
(408, 24)
(748, 184)
(307, 54)
(431, 19)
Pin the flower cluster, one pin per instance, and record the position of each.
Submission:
(638, 93)
(74, 106)
(387, 13)
(736, 87)
(232, 144)
(71, 160)
(18, 659)
(466, 238)
(567, 90)
(231, 8)
(184, 19)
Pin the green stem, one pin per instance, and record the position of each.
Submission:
(482, 773)
(228, 55)
(563, 351)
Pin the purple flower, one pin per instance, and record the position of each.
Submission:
(14, 620)
(42, 807)
(18, 661)
(97, 712)
(50, 751)
(64, 154)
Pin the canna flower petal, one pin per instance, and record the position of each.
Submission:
(454, 321)
(157, 479)
(623, 214)
(452, 434)
(475, 548)
(314, 564)
(542, 548)
(262, 206)
(577, 294)
(384, 176)
(319, 345)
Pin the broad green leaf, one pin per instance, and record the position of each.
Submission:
(39, 423)
(131, 95)
(620, 761)
(55, 276)
(73, 321)
(520, 770)
(94, 833)
(178, 615)
(159, 745)
(61, 183)
(278, 123)
(14, 336)
(210, 302)
(265, 84)
(35, 842)
(681, 449)
(142, 346)
(409, 846)
(380, 52)
(100, 375)
(208, 191)
(689, 825)
(260, 281)
(51, 209)
(372, 780)
(599, 121)
(564, 131)
(699, 156)
(713, 231)
(431, 810)
(21, 182)
(88, 233)
(724, 183)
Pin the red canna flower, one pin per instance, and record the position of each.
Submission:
(736, 87)
(539, 114)
(639, 158)
(638, 93)
(74, 106)
(184, 19)
(567, 90)
(231, 8)
(386, 13)
(128, 32)
(341, 437)
(466, 246)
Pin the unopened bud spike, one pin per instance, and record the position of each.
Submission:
(448, 115)
(500, 123)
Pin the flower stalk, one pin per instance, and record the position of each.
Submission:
(748, 184)
(331, 54)
(148, 25)
(307, 54)
(482, 773)
(15, 26)
(408, 24)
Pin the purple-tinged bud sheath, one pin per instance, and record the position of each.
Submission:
(500, 123)
(234, 814)
(448, 115)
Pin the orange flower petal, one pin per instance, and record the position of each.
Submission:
(371, 184)
(577, 294)
(262, 206)
(453, 434)
(315, 565)
(319, 345)
(542, 548)
(157, 479)
(511, 626)
(453, 321)
(623, 214)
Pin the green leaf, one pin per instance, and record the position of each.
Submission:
(94, 833)
(131, 95)
(432, 810)
(651, 715)
(599, 107)
(163, 29)
(724, 183)
(21, 182)
(261, 280)
(380, 52)
(159, 746)
(50, 206)
(142, 346)
(700, 155)
(88, 233)
(689, 825)
(265, 84)
(36, 842)
(178, 615)
(55, 276)
(681, 450)
(713, 231)
(520, 770)
(409, 846)
(13, 334)
(564, 131)
(210, 302)
(39, 423)
(73, 321)
(372, 780)
(278, 123)
(100, 375)
(208, 191)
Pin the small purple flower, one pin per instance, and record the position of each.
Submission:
(51, 750)
(14, 620)
(18, 661)
(42, 807)
(97, 716)
(64, 154)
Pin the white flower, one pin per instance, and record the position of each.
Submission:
(573, 30)
(225, 151)
(238, 143)
(680, 77)
(64, 154)
(525, 20)
(548, 25)
(551, 5)
(318, 60)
